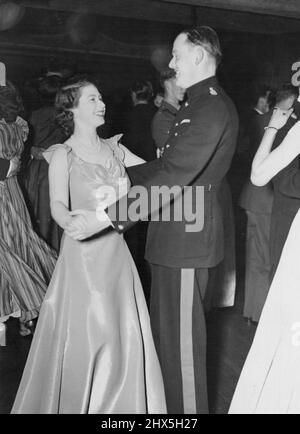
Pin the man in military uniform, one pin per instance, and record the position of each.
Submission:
(164, 117)
(198, 153)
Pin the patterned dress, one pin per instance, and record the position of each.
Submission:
(27, 262)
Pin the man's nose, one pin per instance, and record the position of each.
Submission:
(171, 64)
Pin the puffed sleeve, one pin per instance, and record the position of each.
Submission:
(50, 151)
(114, 144)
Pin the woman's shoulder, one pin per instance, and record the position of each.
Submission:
(114, 144)
(113, 141)
(60, 150)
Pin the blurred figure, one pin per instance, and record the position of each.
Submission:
(158, 99)
(258, 202)
(164, 117)
(27, 262)
(138, 139)
(45, 133)
(261, 100)
(137, 136)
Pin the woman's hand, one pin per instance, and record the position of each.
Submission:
(85, 223)
(279, 118)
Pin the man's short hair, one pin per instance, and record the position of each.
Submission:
(207, 38)
(261, 90)
(143, 90)
(286, 91)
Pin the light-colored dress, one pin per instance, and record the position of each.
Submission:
(93, 350)
(270, 379)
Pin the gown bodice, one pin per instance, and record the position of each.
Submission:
(92, 184)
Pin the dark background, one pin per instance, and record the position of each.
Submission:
(121, 40)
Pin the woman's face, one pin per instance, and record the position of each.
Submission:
(90, 109)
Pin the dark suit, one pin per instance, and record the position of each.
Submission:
(198, 153)
(137, 136)
(286, 200)
(4, 168)
(257, 202)
(138, 139)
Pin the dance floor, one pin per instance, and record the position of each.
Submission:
(229, 339)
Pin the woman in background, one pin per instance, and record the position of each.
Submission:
(26, 263)
(45, 132)
(270, 379)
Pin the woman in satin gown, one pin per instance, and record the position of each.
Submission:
(270, 379)
(92, 351)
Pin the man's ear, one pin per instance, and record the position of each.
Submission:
(199, 55)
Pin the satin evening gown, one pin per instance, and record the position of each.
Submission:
(93, 351)
(270, 379)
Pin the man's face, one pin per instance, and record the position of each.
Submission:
(176, 90)
(184, 62)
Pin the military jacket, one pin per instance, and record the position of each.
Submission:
(197, 153)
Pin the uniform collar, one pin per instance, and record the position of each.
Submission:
(202, 87)
(167, 106)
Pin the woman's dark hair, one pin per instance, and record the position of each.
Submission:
(67, 98)
(287, 90)
(143, 90)
(207, 38)
(11, 104)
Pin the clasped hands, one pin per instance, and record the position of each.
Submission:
(84, 224)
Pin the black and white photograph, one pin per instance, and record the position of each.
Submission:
(149, 209)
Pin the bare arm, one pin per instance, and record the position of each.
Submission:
(59, 187)
(267, 164)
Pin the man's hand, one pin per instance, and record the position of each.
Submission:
(14, 167)
(85, 223)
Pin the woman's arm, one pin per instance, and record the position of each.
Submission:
(131, 159)
(267, 164)
(59, 187)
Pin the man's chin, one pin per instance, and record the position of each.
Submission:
(181, 83)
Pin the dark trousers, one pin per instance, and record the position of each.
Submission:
(258, 264)
(280, 225)
(179, 332)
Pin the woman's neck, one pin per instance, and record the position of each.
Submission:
(86, 139)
